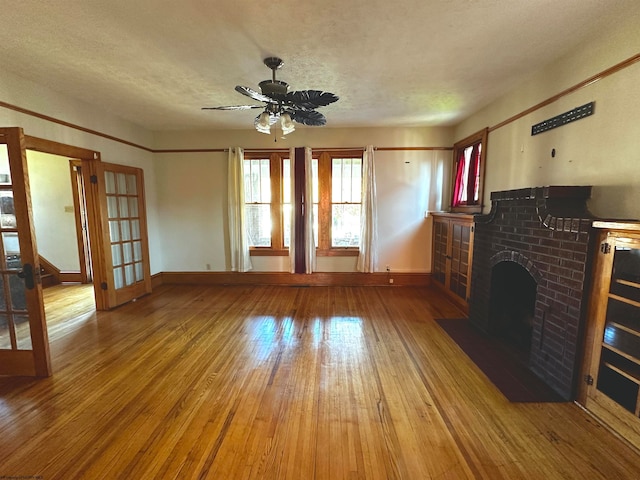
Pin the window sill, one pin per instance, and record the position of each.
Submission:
(339, 252)
(268, 252)
(467, 209)
(333, 252)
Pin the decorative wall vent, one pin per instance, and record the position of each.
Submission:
(564, 118)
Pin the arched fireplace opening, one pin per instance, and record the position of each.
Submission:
(512, 303)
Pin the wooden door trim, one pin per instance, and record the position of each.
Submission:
(77, 184)
(61, 149)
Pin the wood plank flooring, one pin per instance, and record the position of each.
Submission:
(270, 382)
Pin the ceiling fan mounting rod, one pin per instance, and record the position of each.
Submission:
(273, 63)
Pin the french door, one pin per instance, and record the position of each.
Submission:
(119, 241)
(24, 343)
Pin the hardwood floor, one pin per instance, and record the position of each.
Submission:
(281, 383)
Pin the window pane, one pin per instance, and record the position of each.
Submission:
(114, 231)
(128, 252)
(112, 207)
(124, 207)
(125, 229)
(316, 188)
(133, 206)
(257, 181)
(336, 180)
(346, 180)
(137, 251)
(117, 278)
(465, 175)
(129, 278)
(110, 182)
(139, 272)
(476, 191)
(132, 187)
(345, 227)
(356, 180)
(265, 182)
(258, 225)
(286, 181)
(116, 255)
(23, 332)
(121, 183)
(286, 224)
(7, 212)
(315, 223)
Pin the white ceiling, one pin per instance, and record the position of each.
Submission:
(392, 63)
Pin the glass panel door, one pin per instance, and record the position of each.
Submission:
(24, 348)
(125, 273)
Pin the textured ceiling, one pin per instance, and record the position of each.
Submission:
(393, 63)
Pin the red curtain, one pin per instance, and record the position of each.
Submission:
(458, 190)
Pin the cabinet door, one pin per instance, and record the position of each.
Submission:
(440, 236)
(460, 250)
(615, 391)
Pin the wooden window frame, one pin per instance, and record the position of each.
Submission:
(277, 223)
(478, 137)
(325, 163)
(325, 159)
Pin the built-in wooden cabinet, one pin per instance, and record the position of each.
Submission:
(611, 370)
(452, 254)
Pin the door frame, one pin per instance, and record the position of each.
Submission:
(83, 157)
(79, 191)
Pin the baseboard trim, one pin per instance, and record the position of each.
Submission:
(70, 277)
(156, 280)
(293, 279)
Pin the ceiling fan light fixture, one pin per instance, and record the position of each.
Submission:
(282, 106)
(286, 124)
(263, 122)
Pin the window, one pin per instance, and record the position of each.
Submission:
(337, 189)
(468, 173)
(267, 202)
(339, 202)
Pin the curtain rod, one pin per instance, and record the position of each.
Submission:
(284, 150)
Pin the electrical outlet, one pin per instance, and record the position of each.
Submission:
(208, 266)
(391, 280)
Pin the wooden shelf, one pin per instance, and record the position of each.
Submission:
(612, 356)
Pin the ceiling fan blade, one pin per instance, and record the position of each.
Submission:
(307, 117)
(310, 99)
(249, 92)
(233, 107)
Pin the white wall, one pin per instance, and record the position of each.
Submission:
(192, 195)
(38, 98)
(600, 150)
(53, 214)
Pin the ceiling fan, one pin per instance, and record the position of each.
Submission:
(282, 105)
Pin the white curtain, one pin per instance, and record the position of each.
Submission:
(238, 238)
(292, 211)
(309, 246)
(368, 257)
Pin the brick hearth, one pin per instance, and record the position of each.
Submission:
(547, 231)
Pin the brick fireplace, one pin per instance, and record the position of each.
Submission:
(530, 274)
